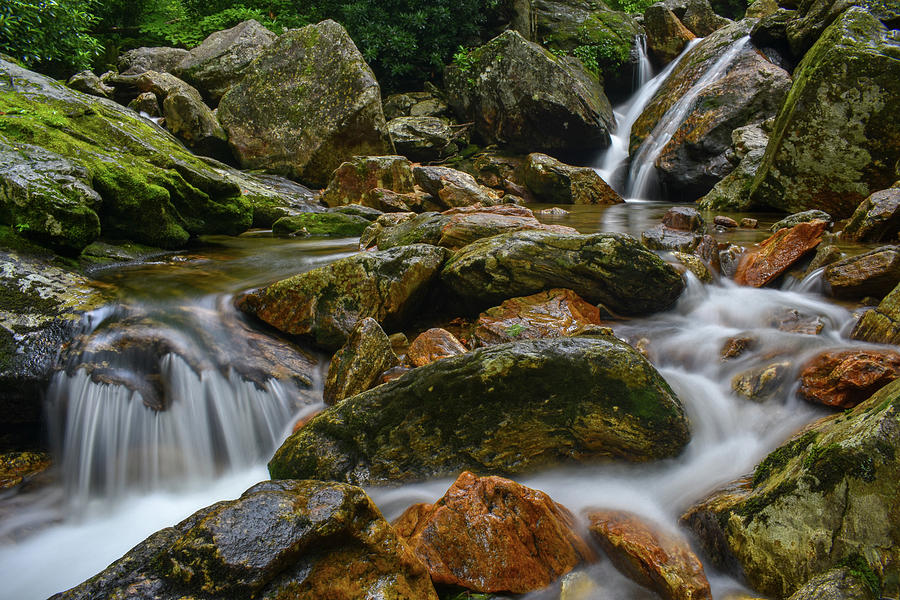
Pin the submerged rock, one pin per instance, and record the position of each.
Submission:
(326, 303)
(523, 97)
(358, 365)
(650, 556)
(280, 539)
(489, 534)
(835, 140)
(221, 60)
(307, 104)
(824, 498)
(550, 314)
(612, 269)
(506, 409)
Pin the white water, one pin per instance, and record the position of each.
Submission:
(616, 155)
(642, 179)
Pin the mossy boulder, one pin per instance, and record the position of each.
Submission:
(307, 104)
(595, 33)
(812, 17)
(359, 363)
(874, 273)
(881, 325)
(666, 34)
(835, 140)
(732, 192)
(221, 60)
(843, 583)
(827, 497)
(553, 181)
(608, 268)
(502, 410)
(158, 58)
(325, 304)
(280, 539)
(521, 96)
(355, 180)
(41, 309)
(423, 138)
(750, 90)
(697, 15)
(151, 190)
(876, 219)
(321, 224)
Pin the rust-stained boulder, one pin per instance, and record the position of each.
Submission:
(874, 273)
(356, 179)
(774, 255)
(650, 556)
(844, 379)
(432, 345)
(490, 534)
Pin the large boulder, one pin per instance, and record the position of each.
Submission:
(450, 188)
(307, 104)
(732, 192)
(280, 539)
(423, 138)
(835, 140)
(326, 303)
(612, 269)
(607, 36)
(881, 325)
(844, 379)
(873, 273)
(697, 15)
(187, 117)
(774, 255)
(553, 181)
(825, 498)
(686, 129)
(506, 409)
(521, 96)
(150, 188)
(161, 59)
(472, 536)
(358, 365)
(221, 60)
(812, 17)
(876, 219)
(354, 180)
(41, 310)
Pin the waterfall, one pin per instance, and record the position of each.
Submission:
(626, 114)
(644, 71)
(642, 174)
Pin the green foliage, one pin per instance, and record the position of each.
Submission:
(173, 24)
(51, 35)
(631, 6)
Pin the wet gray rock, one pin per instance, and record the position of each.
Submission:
(161, 59)
(87, 82)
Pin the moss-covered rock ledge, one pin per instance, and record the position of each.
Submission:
(502, 410)
(828, 497)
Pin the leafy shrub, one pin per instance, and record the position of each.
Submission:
(51, 35)
(631, 6)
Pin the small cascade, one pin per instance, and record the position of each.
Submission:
(111, 443)
(642, 180)
(644, 72)
(616, 155)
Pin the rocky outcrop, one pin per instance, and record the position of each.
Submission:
(74, 166)
(186, 116)
(666, 34)
(876, 219)
(221, 60)
(692, 149)
(823, 499)
(881, 325)
(649, 555)
(506, 409)
(612, 269)
(774, 255)
(874, 273)
(433, 344)
(521, 96)
(550, 314)
(358, 365)
(553, 181)
(326, 303)
(844, 379)
(302, 539)
(161, 59)
(307, 104)
(41, 307)
(474, 536)
(354, 181)
(835, 139)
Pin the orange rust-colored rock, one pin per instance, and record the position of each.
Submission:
(554, 313)
(490, 534)
(844, 379)
(433, 345)
(774, 255)
(650, 556)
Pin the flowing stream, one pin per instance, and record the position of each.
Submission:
(126, 469)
